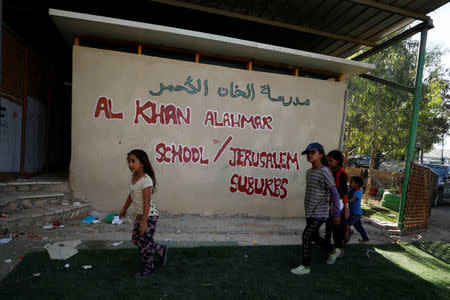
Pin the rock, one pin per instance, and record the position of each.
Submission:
(12, 206)
(27, 204)
(40, 203)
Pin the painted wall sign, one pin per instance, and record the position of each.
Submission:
(222, 141)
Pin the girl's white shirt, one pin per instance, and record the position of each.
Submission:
(137, 195)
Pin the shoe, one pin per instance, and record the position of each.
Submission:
(164, 255)
(363, 241)
(341, 254)
(300, 270)
(333, 256)
(143, 275)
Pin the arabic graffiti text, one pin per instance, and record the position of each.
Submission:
(167, 113)
(188, 87)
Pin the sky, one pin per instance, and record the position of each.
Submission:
(440, 34)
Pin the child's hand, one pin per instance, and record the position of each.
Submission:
(122, 214)
(337, 220)
(143, 227)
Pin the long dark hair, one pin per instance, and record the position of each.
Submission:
(323, 160)
(338, 156)
(148, 169)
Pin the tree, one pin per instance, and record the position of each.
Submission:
(392, 117)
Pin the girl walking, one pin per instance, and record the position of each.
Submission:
(142, 185)
(319, 185)
(335, 161)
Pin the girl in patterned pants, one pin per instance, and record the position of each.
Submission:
(142, 185)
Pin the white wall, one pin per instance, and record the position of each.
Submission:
(98, 170)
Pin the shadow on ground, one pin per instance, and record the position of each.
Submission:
(254, 272)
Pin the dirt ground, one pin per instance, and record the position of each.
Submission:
(194, 230)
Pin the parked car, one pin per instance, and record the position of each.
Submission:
(444, 191)
(359, 161)
(443, 186)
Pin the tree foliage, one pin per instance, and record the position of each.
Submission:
(372, 105)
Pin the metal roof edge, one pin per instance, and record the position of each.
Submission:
(223, 44)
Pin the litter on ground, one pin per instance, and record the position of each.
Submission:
(117, 220)
(86, 267)
(62, 250)
(5, 240)
(88, 219)
(117, 243)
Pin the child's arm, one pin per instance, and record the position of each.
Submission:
(352, 199)
(336, 205)
(125, 207)
(146, 208)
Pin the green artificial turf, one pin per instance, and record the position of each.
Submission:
(393, 271)
(380, 213)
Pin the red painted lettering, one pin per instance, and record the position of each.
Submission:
(167, 114)
(105, 104)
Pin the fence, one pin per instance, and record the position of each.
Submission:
(419, 198)
(380, 179)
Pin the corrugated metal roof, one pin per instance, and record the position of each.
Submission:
(354, 19)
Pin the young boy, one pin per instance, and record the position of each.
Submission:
(354, 203)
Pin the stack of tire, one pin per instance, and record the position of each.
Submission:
(391, 201)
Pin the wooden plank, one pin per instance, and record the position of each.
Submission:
(266, 21)
(296, 72)
(139, 49)
(197, 57)
(77, 41)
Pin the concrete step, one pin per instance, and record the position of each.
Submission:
(37, 217)
(13, 201)
(34, 185)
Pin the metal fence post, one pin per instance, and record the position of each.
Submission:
(413, 127)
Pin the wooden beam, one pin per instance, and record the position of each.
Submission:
(392, 9)
(139, 49)
(296, 72)
(339, 78)
(249, 65)
(77, 41)
(267, 22)
(197, 57)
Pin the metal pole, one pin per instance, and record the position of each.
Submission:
(413, 127)
(1, 45)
